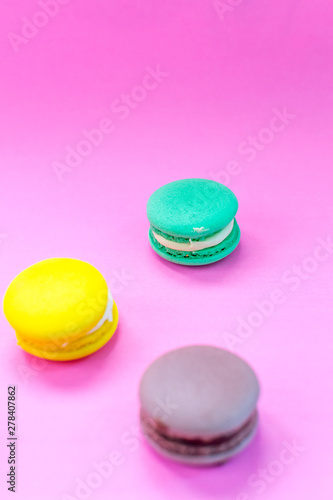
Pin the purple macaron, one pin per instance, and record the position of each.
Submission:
(198, 404)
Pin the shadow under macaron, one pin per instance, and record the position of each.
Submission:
(214, 273)
(225, 480)
(75, 373)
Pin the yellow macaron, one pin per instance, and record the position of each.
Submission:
(61, 309)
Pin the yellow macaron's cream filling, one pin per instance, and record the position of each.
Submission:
(108, 316)
(194, 246)
(55, 348)
(76, 348)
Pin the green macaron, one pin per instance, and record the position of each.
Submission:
(192, 221)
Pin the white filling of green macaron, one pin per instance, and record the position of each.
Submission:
(108, 316)
(193, 246)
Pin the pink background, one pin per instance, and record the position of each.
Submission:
(223, 75)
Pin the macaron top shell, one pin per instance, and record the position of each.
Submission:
(209, 392)
(56, 296)
(191, 208)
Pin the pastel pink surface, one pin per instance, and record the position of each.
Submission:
(224, 78)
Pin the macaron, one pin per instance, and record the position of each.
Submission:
(198, 405)
(192, 221)
(61, 309)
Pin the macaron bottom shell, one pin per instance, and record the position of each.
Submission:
(202, 460)
(200, 257)
(76, 348)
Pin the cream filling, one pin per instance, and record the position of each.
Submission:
(108, 316)
(193, 246)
